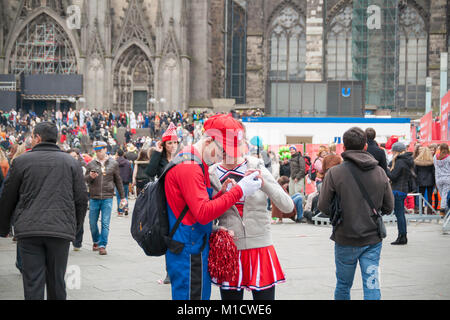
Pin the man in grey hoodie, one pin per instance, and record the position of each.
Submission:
(356, 237)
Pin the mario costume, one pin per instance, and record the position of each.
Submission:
(188, 184)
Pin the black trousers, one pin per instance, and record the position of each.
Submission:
(268, 294)
(429, 191)
(44, 263)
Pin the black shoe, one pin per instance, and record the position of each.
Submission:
(401, 240)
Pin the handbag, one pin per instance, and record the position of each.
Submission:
(376, 213)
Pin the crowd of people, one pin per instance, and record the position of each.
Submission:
(234, 194)
(426, 170)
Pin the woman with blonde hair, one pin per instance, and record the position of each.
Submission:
(21, 149)
(442, 174)
(12, 151)
(425, 173)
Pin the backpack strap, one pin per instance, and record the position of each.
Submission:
(177, 223)
(363, 190)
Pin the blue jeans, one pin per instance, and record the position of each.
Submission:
(125, 188)
(448, 201)
(298, 199)
(95, 206)
(399, 211)
(346, 258)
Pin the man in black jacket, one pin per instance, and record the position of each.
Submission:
(375, 150)
(45, 198)
(356, 237)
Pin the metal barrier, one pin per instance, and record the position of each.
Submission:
(446, 226)
(421, 216)
(323, 221)
(391, 218)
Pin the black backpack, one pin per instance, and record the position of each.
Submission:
(150, 220)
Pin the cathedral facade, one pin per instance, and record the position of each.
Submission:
(179, 54)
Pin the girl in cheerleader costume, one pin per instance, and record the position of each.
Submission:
(249, 222)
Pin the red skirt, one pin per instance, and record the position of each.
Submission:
(259, 269)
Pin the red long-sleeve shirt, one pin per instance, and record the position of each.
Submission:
(186, 184)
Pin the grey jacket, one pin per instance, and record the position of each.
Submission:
(253, 229)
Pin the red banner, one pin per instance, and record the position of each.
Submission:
(426, 127)
(436, 132)
(445, 109)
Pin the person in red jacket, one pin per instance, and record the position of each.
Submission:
(187, 184)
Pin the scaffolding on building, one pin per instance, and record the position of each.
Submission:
(42, 50)
(375, 52)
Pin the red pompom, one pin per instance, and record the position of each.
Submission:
(223, 260)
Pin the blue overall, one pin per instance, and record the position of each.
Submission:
(188, 271)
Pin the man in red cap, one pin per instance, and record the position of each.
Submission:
(188, 186)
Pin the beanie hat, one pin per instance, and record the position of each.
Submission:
(227, 131)
(170, 134)
(398, 147)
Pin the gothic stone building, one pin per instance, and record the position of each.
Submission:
(176, 54)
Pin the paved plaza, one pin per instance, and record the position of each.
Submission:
(419, 270)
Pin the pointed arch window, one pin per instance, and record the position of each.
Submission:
(236, 51)
(288, 46)
(287, 54)
(43, 47)
(339, 46)
(412, 60)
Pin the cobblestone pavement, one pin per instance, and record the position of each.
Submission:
(419, 270)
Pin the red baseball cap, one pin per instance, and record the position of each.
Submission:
(227, 131)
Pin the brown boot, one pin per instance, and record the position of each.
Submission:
(95, 247)
(102, 251)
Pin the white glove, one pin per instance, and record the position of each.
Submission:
(248, 185)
